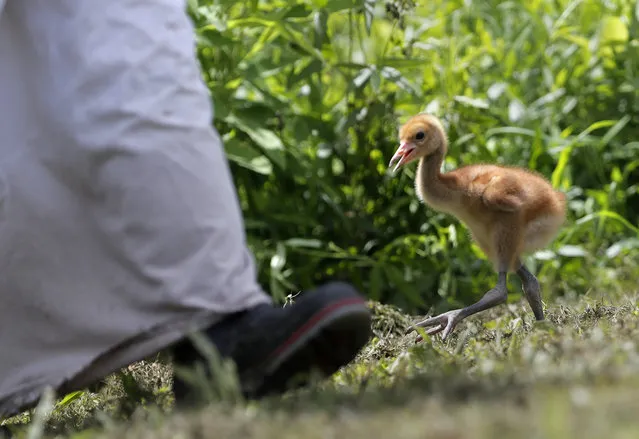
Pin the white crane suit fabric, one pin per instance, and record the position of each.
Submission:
(120, 229)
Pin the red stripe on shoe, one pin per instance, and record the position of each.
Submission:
(314, 320)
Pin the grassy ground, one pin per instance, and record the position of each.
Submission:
(500, 376)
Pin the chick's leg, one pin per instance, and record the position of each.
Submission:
(447, 321)
(505, 238)
(532, 291)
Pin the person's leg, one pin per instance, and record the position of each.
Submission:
(119, 223)
(278, 348)
(123, 183)
(120, 88)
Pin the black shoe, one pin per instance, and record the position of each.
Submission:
(323, 330)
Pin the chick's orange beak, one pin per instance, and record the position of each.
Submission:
(403, 155)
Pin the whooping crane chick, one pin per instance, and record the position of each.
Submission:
(509, 211)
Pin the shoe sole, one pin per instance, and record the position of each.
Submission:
(330, 339)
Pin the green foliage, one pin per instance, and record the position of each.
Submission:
(308, 97)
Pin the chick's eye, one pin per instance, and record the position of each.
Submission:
(419, 136)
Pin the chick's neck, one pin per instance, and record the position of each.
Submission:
(430, 181)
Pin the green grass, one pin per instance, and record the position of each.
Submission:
(500, 375)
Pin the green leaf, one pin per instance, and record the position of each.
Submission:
(279, 258)
(614, 130)
(269, 34)
(267, 139)
(312, 67)
(375, 80)
(606, 214)
(613, 30)
(247, 157)
(69, 398)
(363, 77)
(304, 243)
(192, 5)
(510, 130)
(369, 13)
(622, 246)
(469, 102)
(572, 251)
